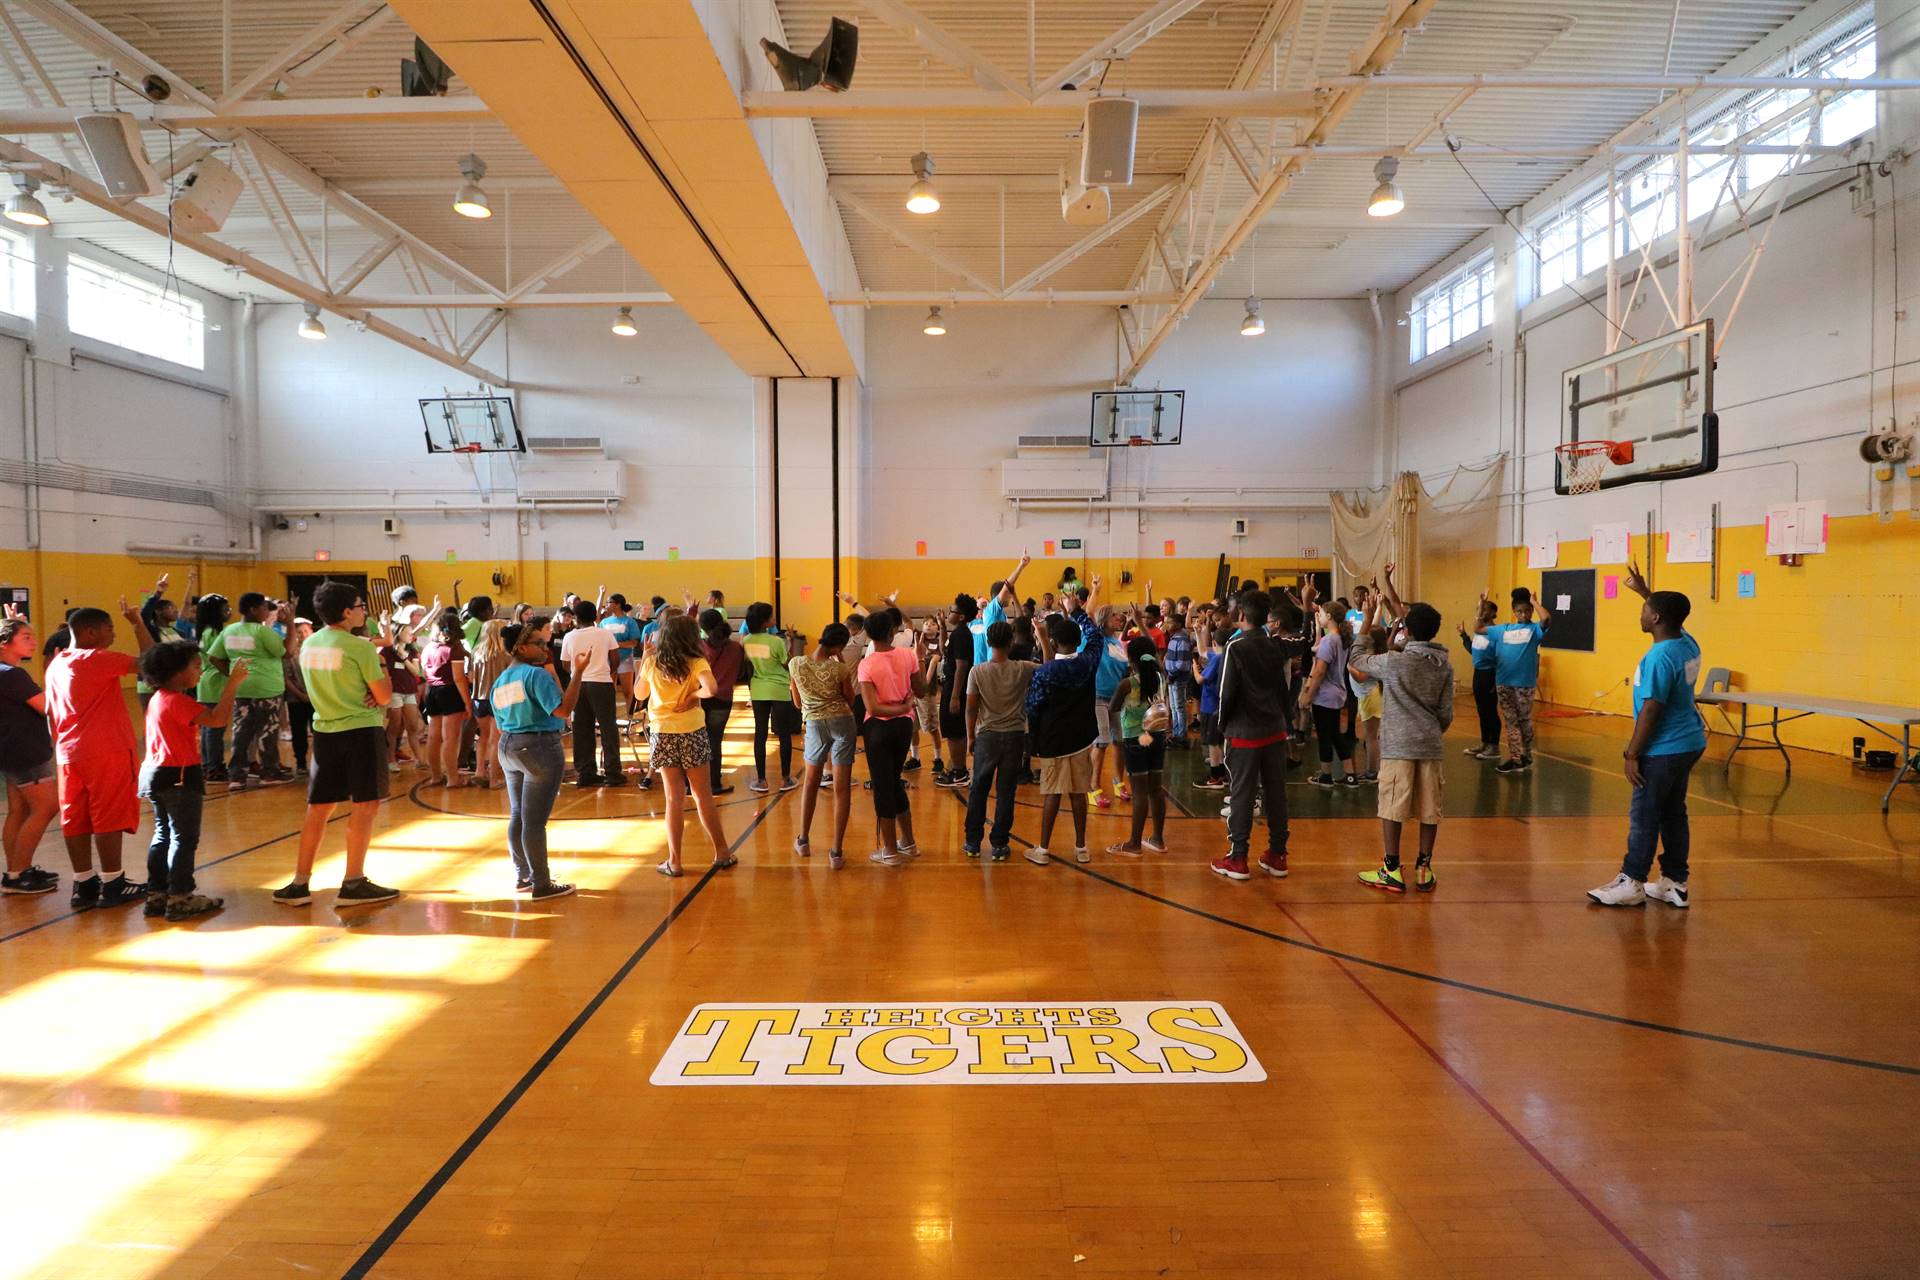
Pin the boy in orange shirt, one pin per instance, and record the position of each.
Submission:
(96, 753)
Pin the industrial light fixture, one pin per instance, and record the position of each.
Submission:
(623, 323)
(471, 202)
(921, 197)
(25, 207)
(934, 327)
(1387, 199)
(311, 328)
(1252, 326)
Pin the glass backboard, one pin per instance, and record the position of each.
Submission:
(1122, 418)
(1655, 395)
(471, 424)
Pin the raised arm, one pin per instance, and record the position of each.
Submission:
(1636, 581)
(141, 635)
(1394, 602)
(1480, 626)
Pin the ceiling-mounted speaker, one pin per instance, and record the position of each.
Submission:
(424, 75)
(113, 141)
(830, 65)
(206, 197)
(1106, 144)
(1082, 205)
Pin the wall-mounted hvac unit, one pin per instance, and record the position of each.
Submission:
(1052, 446)
(565, 444)
(570, 480)
(1058, 478)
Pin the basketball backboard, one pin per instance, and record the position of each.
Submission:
(1122, 418)
(1655, 395)
(471, 424)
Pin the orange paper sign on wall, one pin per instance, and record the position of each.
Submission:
(1046, 548)
(1169, 546)
(806, 593)
(920, 548)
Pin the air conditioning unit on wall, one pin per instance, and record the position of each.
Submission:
(1075, 479)
(570, 480)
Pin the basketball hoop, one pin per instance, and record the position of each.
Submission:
(466, 448)
(1135, 442)
(1584, 462)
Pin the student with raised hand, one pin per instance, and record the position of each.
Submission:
(1112, 622)
(1516, 673)
(1139, 711)
(823, 690)
(1178, 665)
(210, 617)
(618, 619)
(170, 778)
(1669, 737)
(26, 760)
(1327, 696)
(256, 717)
(531, 715)
(994, 604)
(97, 752)
(677, 677)
(448, 699)
(997, 735)
(727, 662)
(349, 688)
(771, 689)
(1479, 647)
(1366, 692)
(1060, 713)
(956, 661)
(890, 679)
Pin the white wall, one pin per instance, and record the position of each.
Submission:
(683, 430)
(1287, 416)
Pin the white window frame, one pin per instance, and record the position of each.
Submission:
(1462, 297)
(136, 313)
(16, 274)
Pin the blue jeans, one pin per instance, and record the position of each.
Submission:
(532, 764)
(1179, 689)
(1001, 754)
(177, 796)
(1658, 815)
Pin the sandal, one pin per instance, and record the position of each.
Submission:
(1154, 846)
(194, 904)
(669, 870)
(726, 861)
(1123, 851)
(800, 847)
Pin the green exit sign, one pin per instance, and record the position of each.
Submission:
(1069, 544)
(636, 544)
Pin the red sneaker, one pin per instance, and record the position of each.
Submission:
(1274, 864)
(1233, 867)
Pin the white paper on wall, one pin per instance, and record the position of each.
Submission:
(1543, 551)
(1797, 528)
(1690, 542)
(1611, 543)
(1562, 603)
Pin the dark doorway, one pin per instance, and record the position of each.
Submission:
(300, 587)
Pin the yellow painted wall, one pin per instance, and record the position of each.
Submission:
(1839, 625)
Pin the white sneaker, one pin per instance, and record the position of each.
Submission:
(1671, 892)
(1038, 856)
(1621, 891)
(886, 859)
(1083, 855)
(909, 850)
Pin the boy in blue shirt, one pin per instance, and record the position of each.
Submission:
(1210, 735)
(1516, 673)
(1480, 649)
(1669, 737)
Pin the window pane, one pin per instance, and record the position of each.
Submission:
(132, 312)
(16, 275)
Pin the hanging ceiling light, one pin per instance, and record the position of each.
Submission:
(921, 197)
(1387, 199)
(934, 327)
(1252, 326)
(25, 208)
(471, 201)
(311, 328)
(623, 323)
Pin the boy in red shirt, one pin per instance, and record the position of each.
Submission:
(172, 779)
(96, 754)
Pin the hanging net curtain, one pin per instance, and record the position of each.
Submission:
(1441, 542)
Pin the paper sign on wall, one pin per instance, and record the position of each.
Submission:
(1543, 551)
(1747, 586)
(1797, 529)
(1046, 548)
(673, 553)
(1610, 588)
(1169, 546)
(1610, 543)
(1562, 604)
(920, 548)
(451, 557)
(1690, 542)
(806, 594)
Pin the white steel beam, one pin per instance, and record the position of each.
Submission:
(330, 28)
(364, 266)
(942, 44)
(874, 298)
(1031, 298)
(90, 192)
(561, 265)
(1613, 80)
(483, 301)
(266, 114)
(946, 263)
(1113, 227)
(912, 104)
(1122, 42)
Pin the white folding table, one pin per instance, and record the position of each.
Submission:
(1870, 714)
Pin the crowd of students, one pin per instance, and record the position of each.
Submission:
(1012, 691)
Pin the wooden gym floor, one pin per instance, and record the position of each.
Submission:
(1497, 1080)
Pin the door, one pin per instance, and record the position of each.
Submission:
(300, 588)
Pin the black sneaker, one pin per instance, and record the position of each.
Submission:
(121, 892)
(724, 789)
(1211, 783)
(971, 850)
(958, 779)
(912, 766)
(1509, 766)
(156, 905)
(359, 893)
(1323, 780)
(523, 886)
(616, 782)
(1350, 780)
(588, 780)
(1526, 762)
(86, 894)
(1371, 777)
(32, 880)
(293, 894)
(646, 782)
(555, 890)
(940, 775)
(1000, 853)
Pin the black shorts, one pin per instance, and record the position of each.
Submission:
(481, 711)
(1148, 759)
(1210, 729)
(442, 700)
(952, 727)
(349, 765)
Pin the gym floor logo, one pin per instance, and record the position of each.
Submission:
(1131, 1042)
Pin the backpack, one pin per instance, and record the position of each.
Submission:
(1159, 716)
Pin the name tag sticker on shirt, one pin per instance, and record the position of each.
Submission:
(758, 649)
(507, 693)
(1479, 642)
(1516, 637)
(1693, 671)
(321, 658)
(242, 642)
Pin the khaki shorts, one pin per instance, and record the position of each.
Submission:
(1066, 775)
(1410, 787)
(1369, 705)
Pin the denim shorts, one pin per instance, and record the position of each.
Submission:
(830, 739)
(32, 775)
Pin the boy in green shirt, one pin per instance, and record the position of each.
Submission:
(349, 690)
(256, 713)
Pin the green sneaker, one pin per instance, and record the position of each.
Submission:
(1423, 877)
(1387, 880)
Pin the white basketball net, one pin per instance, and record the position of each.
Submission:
(1583, 469)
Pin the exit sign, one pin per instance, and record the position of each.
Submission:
(1069, 544)
(636, 544)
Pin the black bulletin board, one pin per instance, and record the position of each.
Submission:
(1572, 626)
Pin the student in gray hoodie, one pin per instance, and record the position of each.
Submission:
(1417, 690)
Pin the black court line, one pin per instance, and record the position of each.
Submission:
(752, 797)
(198, 867)
(444, 1174)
